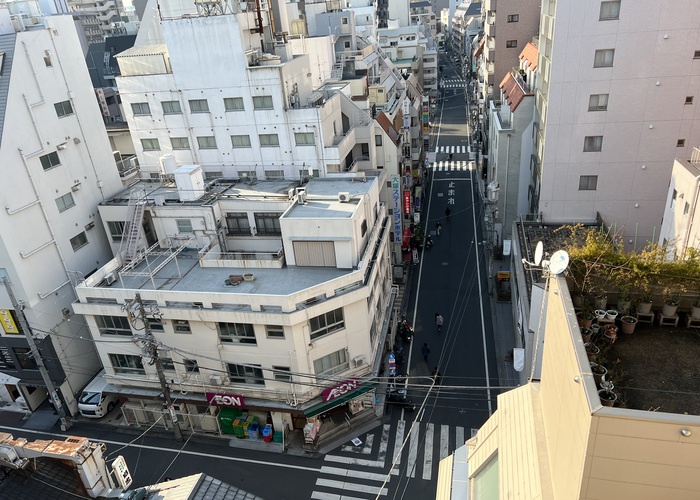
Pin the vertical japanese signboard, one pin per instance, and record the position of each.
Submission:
(407, 202)
(396, 193)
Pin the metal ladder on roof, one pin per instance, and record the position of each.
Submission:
(132, 226)
(337, 71)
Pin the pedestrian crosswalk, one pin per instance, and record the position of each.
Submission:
(366, 471)
(452, 83)
(451, 149)
(450, 166)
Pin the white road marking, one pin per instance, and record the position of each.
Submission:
(398, 439)
(428, 452)
(319, 495)
(444, 441)
(372, 476)
(354, 461)
(413, 452)
(360, 488)
(381, 456)
(459, 439)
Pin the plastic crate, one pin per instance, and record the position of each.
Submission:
(277, 437)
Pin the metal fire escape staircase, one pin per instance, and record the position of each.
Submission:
(132, 226)
(337, 71)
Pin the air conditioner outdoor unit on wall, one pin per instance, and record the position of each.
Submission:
(216, 380)
(359, 360)
(110, 278)
(343, 197)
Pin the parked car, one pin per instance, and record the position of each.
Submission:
(94, 402)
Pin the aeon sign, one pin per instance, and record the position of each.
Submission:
(339, 390)
(217, 399)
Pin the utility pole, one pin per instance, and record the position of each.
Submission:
(137, 309)
(19, 309)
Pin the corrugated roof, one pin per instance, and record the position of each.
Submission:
(145, 50)
(529, 55)
(7, 49)
(512, 91)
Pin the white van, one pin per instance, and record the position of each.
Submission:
(93, 403)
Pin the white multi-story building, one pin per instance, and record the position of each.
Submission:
(58, 166)
(679, 229)
(617, 103)
(268, 293)
(97, 18)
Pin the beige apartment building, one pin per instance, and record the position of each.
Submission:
(553, 439)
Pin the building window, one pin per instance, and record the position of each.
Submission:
(511, 44)
(673, 199)
(304, 173)
(609, 11)
(513, 18)
(79, 241)
(166, 362)
(180, 142)
(689, 99)
(155, 324)
(240, 141)
(686, 208)
(378, 140)
(269, 140)
(696, 55)
(50, 160)
(184, 226)
(127, 363)
(680, 143)
(333, 363)
(234, 104)
(25, 358)
(486, 480)
(592, 143)
(282, 373)
(116, 229)
(268, 223)
(604, 58)
(346, 44)
(206, 142)
(327, 323)
(191, 365)
(47, 58)
(150, 144)
(263, 102)
(598, 102)
(237, 333)
(304, 139)
(171, 107)
(63, 108)
(237, 224)
(65, 202)
(274, 174)
(249, 374)
(113, 325)
(274, 331)
(181, 326)
(363, 228)
(199, 106)
(588, 183)
(140, 108)
(343, 20)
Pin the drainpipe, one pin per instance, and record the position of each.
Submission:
(505, 197)
(46, 220)
(31, 66)
(36, 127)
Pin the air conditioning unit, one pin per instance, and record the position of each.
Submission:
(216, 380)
(225, 381)
(359, 360)
(110, 278)
(343, 197)
(89, 225)
(301, 197)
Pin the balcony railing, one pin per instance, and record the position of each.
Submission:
(520, 78)
(128, 166)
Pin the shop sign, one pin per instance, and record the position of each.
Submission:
(216, 399)
(8, 322)
(341, 389)
(103, 102)
(396, 188)
(407, 202)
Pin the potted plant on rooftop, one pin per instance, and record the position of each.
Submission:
(606, 394)
(628, 324)
(670, 306)
(599, 371)
(624, 299)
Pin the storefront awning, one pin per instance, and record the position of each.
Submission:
(340, 400)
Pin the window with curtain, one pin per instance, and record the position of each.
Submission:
(332, 363)
(263, 102)
(171, 107)
(234, 104)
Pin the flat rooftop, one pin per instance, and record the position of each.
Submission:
(323, 201)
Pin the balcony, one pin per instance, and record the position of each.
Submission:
(128, 167)
(520, 79)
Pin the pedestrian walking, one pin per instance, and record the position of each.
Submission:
(447, 213)
(425, 350)
(438, 226)
(439, 321)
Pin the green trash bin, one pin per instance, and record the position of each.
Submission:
(226, 419)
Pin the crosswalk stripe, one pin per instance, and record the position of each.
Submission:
(428, 453)
(383, 445)
(365, 450)
(413, 452)
(398, 441)
(360, 488)
(372, 476)
(445, 165)
(459, 431)
(355, 461)
(444, 441)
(320, 495)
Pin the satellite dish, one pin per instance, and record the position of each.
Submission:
(559, 262)
(538, 253)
